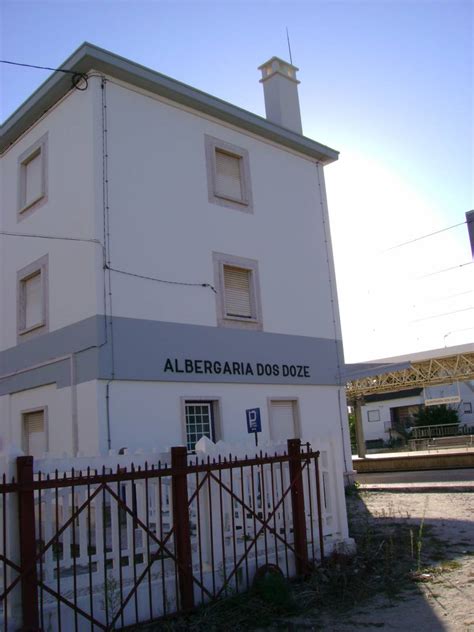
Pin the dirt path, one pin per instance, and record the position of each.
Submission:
(444, 598)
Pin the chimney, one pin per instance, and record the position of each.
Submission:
(280, 89)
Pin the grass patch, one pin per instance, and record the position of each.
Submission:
(393, 555)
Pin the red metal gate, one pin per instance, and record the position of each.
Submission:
(109, 549)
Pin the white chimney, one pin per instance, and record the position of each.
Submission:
(280, 89)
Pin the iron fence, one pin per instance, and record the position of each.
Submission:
(100, 550)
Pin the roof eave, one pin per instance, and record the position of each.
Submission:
(89, 57)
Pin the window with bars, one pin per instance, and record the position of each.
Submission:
(238, 295)
(32, 184)
(33, 298)
(34, 433)
(228, 175)
(199, 421)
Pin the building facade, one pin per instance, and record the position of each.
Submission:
(166, 265)
(384, 413)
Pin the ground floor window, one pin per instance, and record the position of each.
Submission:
(34, 433)
(199, 419)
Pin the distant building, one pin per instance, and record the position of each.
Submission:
(192, 276)
(384, 413)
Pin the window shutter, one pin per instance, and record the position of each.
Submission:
(228, 175)
(282, 420)
(33, 179)
(33, 297)
(237, 292)
(35, 435)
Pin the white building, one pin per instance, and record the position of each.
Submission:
(174, 266)
(382, 413)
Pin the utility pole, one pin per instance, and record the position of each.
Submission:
(470, 229)
(359, 430)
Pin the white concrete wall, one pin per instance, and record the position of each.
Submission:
(375, 429)
(69, 211)
(59, 427)
(59, 407)
(162, 223)
(149, 414)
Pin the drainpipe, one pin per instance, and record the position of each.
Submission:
(107, 409)
(74, 415)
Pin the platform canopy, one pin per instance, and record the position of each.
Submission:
(427, 368)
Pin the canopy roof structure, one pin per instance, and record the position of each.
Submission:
(428, 368)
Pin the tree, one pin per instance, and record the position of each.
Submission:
(436, 416)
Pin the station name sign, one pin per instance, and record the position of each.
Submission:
(216, 367)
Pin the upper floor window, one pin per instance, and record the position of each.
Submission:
(33, 298)
(228, 175)
(32, 178)
(238, 292)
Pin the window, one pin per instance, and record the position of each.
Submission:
(228, 175)
(32, 181)
(284, 419)
(199, 422)
(34, 433)
(33, 298)
(238, 294)
(373, 415)
(467, 408)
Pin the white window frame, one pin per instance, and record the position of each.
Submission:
(467, 408)
(39, 148)
(245, 203)
(373, 410)
(40, 266)
(216, 412)
(220, 260)
(24, 414)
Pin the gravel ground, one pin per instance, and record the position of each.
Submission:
(440, 600)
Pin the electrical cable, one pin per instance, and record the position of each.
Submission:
(76, 78)
(150, 278)
(12, 234)
(106, 266)
(465, 309)
(436, 232)
(461, 265)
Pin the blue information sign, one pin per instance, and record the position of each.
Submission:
(254, 423)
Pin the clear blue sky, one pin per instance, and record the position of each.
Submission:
(387, 83)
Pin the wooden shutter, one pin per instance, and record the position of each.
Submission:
(33, 300)
(237, 292)
(35, 435)
(33, 178)
(228, 175)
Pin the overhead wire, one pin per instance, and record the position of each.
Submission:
(13, 234)
(106, 265)
(150, 278)
(436, 232)
(461, 265)
(457, 311)
(76, 77)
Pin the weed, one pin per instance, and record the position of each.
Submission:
(353, 489)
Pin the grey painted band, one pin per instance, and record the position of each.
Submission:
(147, 350)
